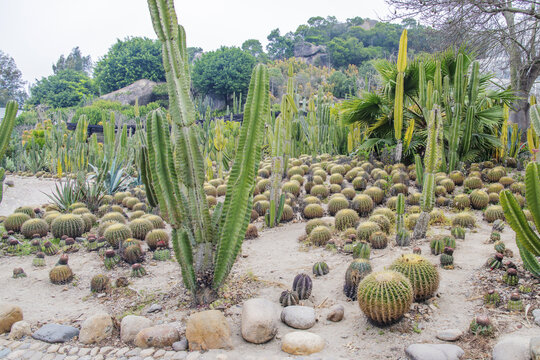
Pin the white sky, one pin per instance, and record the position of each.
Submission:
(36, 32)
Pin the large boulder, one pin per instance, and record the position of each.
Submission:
(259, 320)
(9, 315)
(157, 336)
(131, 325)
(207, 330)
(298, 317)
(96, 328)
(141, 90)
(312, 54)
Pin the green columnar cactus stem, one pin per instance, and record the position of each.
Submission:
(432, 162)
(398, 99)
(419, 169)
(6, 127)
(205, 247)
(471, 110)
(400, 211)
(459, 97)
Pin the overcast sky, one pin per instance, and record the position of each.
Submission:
(36, 32)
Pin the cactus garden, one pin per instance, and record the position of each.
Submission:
(379, 225)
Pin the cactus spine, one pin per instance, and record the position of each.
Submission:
(431, 164)
(205, 248)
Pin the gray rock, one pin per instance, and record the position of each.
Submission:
(131, 325)
(534, 348)
(155, 308)
(512, 348)
(536, 314)
(55, 333)
(181, 345)
(140, 90)
(434, 352)
(298, 317)
(336, 313)
(449, 334)
(259, 320)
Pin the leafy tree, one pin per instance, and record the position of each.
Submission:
(351, 51)
(64, 89)
(280, 47)
(127, 61)
(342, 85)
(74, 61)
(223, 72)
(255, 48)
(11, 82)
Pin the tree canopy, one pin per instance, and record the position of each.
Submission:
(11, 82)
(127, 61)
(74, 61)
(223, 72)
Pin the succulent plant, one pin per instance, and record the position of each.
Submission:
(336, 204)
(514, 303)
(60, 274)
(162, 252)
(100, 283)
(461, 202)
(111, 259)
(499, 247)
(39, 260)
(320, 268)
(302, 285)
(464, 219)
(495, 261)
(383, 222)
(498, 225)
(359, 183)
(378, 240)
(252, 232)
(18, 273)
(377, 194)
(28, 210)
(479, 199)
(494, 236)
(511, 277)
(288, 298)
(155, 236)
(363, 204)
(312, 211)
(116, 234)
(492, 298)
(140, 228)
(137, 270)
(49, 248)
(69, 225)
(473, 182)
(361, 250)
(346, 218)
(481, 325)
(437, 245)
(458, 232)
(312, 224)
(494, 212)
(447, 258)
(14, 221)
(365, 229)
(320, 191)
(32, 227)
(423, 275)
(113, 216)
(89, 221)
(403, 237)
(385, 296)
(356, 271)
(132, 254)
(449, 241)
(320, 235)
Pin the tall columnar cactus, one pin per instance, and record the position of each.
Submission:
(527, 240)
(432, 161)
(6, 127)
(459, 97)
(534, 131)
(205, 247)
(471, 108)
(400, 211)
(419, 168)
(398, 99)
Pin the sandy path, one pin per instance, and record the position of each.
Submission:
(26, 191)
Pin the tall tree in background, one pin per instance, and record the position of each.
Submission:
(493, 28)
(255, 48)
(11, 82)
(74, 61)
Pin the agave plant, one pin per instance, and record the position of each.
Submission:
(64, 194)
(205, 246)
(527, 239)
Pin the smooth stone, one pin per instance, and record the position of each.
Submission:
(55, 333)
(434, 352)
(157, 336)
(298, 317)
(534, 347)
(259, 320)
(536, 315)
(449, 334)
(512, 348)
(147, 352)
(9, 315)
(131, 325)
(302, 343)
(207, 330)
(155, 308)
(181, 345)
(336, 313)
(19, 330)
(96, 328)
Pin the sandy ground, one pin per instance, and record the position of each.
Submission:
(274, 258)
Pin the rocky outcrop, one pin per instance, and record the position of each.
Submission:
(312, 54)
(140, 89)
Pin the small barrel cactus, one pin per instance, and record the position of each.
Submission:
(447, 258)
(423, 275)
(499, 247)
(137, 270)
(514, 303)
(99, 283)
(39, 260)
(449, 241)
(34, 227)
(437, 245)
(154, 236)
(465, 220)
(116, 234)
(346, 218)
(356, 271)
(132, 254)
(362, 250)
(385, 296)
(363, 204)
(365, 229)
(49, 248)
(302, 285)
(494, 236)
(313, 223)
(320, 235)
(403, 237)
(458, 232)
(60, 274)
(320, 268)
(495, 261)
(162, 252)
(498, 225)
(111, 259)
(494, 212)
(140, 228)
(479, 199)
(378, 240)
(18, 273)
(511, 277)
(481, 325)
(288, 298)
(336, 204)
(68, 224)
(492, 298)
(14, 221)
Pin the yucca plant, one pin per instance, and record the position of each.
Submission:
(205, 246)
(527, 239)
(6, 127)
